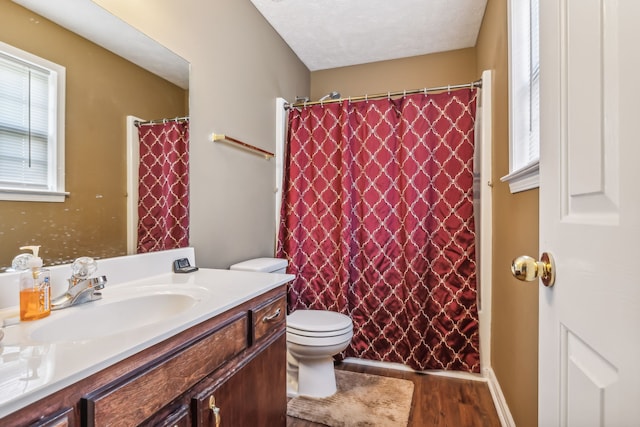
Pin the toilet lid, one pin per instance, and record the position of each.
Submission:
(318, 321)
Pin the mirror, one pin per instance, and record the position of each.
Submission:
(102, 88)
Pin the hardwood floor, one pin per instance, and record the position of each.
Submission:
(438, 401)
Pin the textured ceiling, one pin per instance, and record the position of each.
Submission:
(336, 33)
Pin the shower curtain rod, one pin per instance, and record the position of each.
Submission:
(477, 83)
(155, 122)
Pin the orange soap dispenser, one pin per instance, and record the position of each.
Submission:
(35, 287)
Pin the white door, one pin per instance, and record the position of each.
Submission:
(590, 213)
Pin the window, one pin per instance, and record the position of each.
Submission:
(524, 82)
(31, 127)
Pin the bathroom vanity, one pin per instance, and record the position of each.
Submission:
(214, 357)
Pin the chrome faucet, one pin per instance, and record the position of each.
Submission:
(81, 288)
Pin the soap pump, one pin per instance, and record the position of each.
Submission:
(35, 287)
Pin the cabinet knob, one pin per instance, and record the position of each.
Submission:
(215, 410)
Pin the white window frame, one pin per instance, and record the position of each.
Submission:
(524, 112)
(56, 191)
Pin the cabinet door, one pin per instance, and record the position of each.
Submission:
(254, 396)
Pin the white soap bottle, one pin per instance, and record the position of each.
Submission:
(35, 287)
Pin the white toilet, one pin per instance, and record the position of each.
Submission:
(313, 338)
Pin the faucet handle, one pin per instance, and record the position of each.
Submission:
(83, 267)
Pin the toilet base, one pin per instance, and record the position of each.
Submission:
(314, 377)
(292, 376)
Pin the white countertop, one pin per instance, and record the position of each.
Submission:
(34, 362)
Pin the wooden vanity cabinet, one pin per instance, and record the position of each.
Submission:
(233, 365)
(252, 391)
(254, 395)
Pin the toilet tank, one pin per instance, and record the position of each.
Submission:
(265, 265)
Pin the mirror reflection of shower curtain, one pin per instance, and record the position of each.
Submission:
(377, 223)
(163, 186)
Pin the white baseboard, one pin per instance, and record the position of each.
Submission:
(506, 419)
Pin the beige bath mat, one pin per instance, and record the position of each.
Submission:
(362, 400)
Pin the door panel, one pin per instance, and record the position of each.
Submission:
(588, 67)
(589, 378)
(589, 213)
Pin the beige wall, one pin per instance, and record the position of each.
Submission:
(388, 76)
(101, 90)
(514, 330)
(239, 66)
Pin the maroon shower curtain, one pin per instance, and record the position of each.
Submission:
(377, 222)
(163, 188)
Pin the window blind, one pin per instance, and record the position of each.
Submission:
(24, 125)
(525, 82)
(524, 96)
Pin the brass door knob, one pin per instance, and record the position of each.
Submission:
(528, 269)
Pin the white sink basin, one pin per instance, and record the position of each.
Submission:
(130, 311)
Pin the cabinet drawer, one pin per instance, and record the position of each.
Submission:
(134, 400)
(268, 317)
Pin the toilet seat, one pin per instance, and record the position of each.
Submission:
(319, 334)
(335, 340)
(310, 322)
